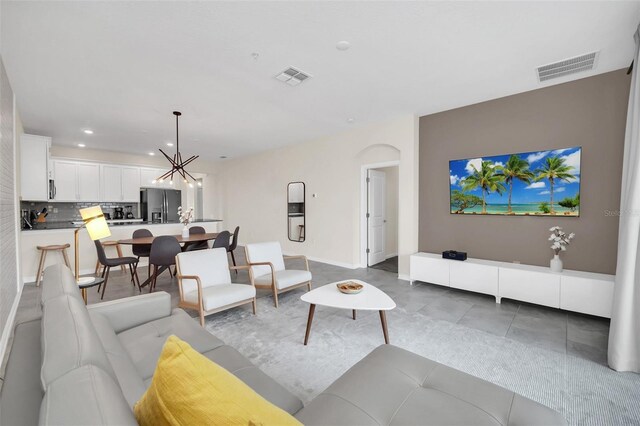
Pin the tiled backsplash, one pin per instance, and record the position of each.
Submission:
(59, 212)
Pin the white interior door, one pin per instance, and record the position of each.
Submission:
(376, 216)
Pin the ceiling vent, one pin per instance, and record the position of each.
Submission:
(292, 76)
(580, 63)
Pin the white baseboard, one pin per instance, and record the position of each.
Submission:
(404, 277)
(390, 255)
(329, 262)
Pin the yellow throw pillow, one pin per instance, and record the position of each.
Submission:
(189, 389)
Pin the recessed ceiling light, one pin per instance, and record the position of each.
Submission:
(350, 120)
(223, 156)
(169, 143)
(88, 131)
(255, 56)
(343, 45)
(81, 145)
(152, 153)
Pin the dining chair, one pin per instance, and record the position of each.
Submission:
(204, 282)
(163, 254)
(142, 250)
(202, 245)
(109, 263)
(267, 269)
(234, 245)
(222, 240)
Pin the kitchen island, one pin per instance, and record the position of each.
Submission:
(62, 233)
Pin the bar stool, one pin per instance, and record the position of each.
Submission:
(43, 256)
(118, 250)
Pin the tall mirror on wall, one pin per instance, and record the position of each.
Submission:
(295, 211)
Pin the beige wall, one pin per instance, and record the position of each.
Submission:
(590, 112)
(391, 210)
(254, 190)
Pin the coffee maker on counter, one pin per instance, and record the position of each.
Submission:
(118, 213)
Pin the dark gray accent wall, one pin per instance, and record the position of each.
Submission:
(590, 113)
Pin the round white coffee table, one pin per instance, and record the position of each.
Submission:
(369, 299)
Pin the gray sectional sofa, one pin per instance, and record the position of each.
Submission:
(81, 366)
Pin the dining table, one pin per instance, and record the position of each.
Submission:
(186, 241)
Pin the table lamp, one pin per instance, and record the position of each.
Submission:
(97, 228)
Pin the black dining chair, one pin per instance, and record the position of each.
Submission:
(234, 245)
(222, 240)
(163, 254)
(202, 245)
(142, 250)
(109, 263)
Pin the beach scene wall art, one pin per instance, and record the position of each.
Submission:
(539, 183)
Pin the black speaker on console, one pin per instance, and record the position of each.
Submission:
(454, 255)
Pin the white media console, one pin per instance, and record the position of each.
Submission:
(584, 292)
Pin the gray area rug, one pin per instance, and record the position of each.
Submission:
(585, 392)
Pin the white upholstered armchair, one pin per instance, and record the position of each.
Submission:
(267, 269)
(205, 283)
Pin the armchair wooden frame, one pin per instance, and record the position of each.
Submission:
(200, 306)
(273, 286)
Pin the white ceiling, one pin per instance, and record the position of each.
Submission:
(120, 68)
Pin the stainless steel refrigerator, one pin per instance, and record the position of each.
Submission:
(160, 205)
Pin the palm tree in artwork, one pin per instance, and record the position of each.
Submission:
(486, 179)
(516, 168)
(554, 170)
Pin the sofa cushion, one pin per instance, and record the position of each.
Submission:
(285, 278)
(128, 378)
(69, 339)
(229, 358)
(58, 281)
(415, 388)
(189, 389)
(217, 296)
(144, 343)
(85, 396)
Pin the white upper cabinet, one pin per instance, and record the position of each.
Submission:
(148, 179)
(111, 183)
(88, 182)
(34, 165)
(131, 184)
(65, 181)
(74, 181)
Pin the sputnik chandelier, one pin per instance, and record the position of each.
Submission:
(177, 164)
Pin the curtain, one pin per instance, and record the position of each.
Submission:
(624, 334)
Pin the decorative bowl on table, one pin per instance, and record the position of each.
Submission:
(350, 287)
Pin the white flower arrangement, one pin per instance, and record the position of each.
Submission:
(560, 239)
(186, 216)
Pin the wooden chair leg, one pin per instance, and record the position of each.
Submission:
(309, 286)
(97, 268)
(201, 312)
(104, 284)
(254, 305)
(275, 296)
(149, 269)
(43, 256)
(135, 273)
(119, 251)
(66, 258)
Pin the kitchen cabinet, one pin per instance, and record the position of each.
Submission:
(120, 183)
(75, 181)
(111, 183)
(131, 184)
(34, 167)
(88, 182)
(148, 176)
(65, 178)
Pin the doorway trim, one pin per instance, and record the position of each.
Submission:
(363, 205)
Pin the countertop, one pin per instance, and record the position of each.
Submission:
(134, 222)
